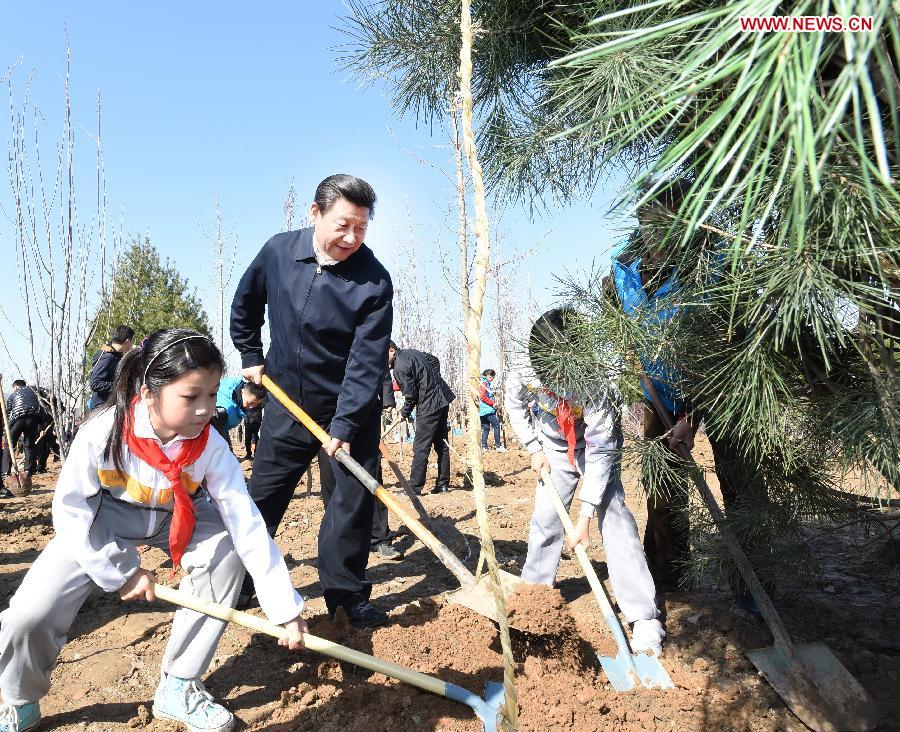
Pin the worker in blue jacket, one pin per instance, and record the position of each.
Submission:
(647, 289)
(234, 399)
(330, 310)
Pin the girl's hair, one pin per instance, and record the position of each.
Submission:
(546, 334)
(162, 357)
(489, 372)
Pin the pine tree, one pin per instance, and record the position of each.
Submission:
(787, 246)
(146, 294)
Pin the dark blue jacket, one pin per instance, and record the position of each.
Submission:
(103, 375)
(329, 328)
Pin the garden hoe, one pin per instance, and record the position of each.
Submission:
(807, 676)
(474, 594)
(627, 669)
(487, 709)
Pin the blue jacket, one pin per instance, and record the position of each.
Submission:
(229, 399)
(487, 390)
(329, 328)
(656, 309)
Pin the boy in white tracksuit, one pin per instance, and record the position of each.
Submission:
(575, 437)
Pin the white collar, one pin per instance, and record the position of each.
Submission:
(321, 257)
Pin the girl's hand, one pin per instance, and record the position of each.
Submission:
(582, 533)
(139, 587)
(540, 462)
(295, 629)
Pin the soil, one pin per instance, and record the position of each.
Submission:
(109, 669)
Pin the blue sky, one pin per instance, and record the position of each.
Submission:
(238, 100)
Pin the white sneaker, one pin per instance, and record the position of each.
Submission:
(188, 702)
(647, 635)
(500, 449)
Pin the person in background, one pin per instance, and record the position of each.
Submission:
(419, 376)
(234, 400)
(103, 370)
(252, 423)
(23, 409)
(487, 411)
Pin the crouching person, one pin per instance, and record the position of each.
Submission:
(147, 471)
(571, 437)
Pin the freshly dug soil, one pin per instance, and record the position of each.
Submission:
(109, 669)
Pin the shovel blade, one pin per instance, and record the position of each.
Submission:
(816, 687)
(626, 671)
(480, 598)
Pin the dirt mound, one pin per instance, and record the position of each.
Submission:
(540, 610)
(109, 670)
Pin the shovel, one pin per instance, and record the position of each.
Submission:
(807, 676)
(19, 483)
(627, 667)
(475, 595)
(487, 709)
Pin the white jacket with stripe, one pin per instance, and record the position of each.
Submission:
(86, 474)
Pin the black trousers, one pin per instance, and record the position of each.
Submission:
(285, 450)
(667, 536)
(431, 431)
(380, 530)
(251, 436)
(27, 428)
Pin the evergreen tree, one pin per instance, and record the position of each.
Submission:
(146, 294)
(787, 246)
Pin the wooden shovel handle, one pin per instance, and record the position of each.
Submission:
(444, 555)
(593, 580)
(313, 642)
(769, 613)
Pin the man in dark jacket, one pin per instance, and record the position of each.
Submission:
(103, 372)
(330, 314)
(419, 377)
(24, 413)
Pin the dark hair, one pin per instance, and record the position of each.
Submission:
(670, 194)
(544, 338)
(393, 345)
(163, 357)
(489, 372)
(354, 189)
(18, 383)
(121, 333)
(257, 390)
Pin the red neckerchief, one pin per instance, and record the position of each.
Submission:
(149, 451)
(566, 423)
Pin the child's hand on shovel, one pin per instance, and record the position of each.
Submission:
(293, 639)
(139, 587)
(582, 533)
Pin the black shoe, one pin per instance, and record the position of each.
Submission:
(386, 551)
(442, 489)
(6, 493)
(417, 489)
(364, 614)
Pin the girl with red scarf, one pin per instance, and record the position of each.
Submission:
(574, 436)
(147, 471)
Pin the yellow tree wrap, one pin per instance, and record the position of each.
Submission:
(473, 350)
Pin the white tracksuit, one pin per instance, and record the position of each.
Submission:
(598, 459)
(100, 516)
